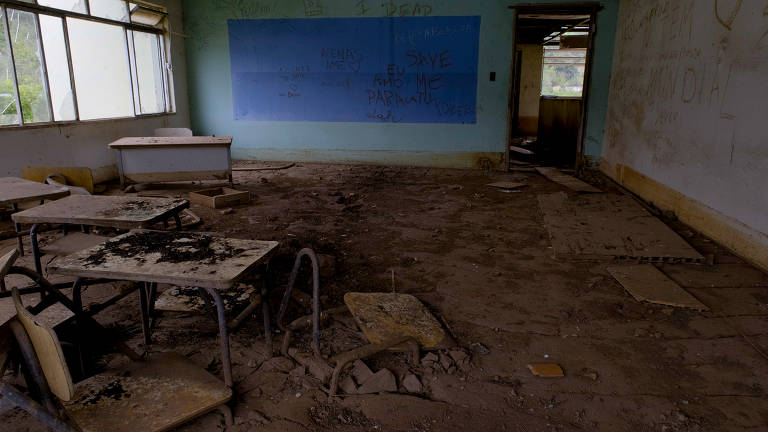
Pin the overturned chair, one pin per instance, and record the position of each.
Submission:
(155, 394)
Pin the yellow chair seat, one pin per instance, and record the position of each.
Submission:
(156, 395)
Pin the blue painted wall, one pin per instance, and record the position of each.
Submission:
(460, 145)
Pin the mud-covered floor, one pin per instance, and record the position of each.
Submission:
(481, 260)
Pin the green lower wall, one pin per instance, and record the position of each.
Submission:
(207, 53)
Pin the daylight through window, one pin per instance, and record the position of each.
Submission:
(51, 69)
(563, 71)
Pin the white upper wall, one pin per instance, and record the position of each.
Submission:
(85, 144)
(688, 104)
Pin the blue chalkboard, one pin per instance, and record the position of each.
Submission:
(410, 69)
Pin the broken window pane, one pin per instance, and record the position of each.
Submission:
(102, 77)
(27, 56)
(149, 72)
(8, 113)
(563, 71)
(57, 66)
(68, 5)
(110, 9)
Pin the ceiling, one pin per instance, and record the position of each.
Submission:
(533, 28)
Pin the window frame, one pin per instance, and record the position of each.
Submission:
(162, 31)
(560, 61)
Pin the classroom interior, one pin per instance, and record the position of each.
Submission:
(310, 215)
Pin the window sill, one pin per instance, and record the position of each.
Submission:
(77, 123)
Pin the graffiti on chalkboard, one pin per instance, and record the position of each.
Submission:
(414, 70)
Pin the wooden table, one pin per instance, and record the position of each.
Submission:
(14, 191)
(161, 159)
(179, 258)
(122, 212)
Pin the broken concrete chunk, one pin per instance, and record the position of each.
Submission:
(348, 385)
(458, 356)
(479, 348)
(299, 370)
(277, 364)
(361, 371)
(445, 361)
(412, 384)
(546, 370)
(317, 368)
(428, 359)
(381, 381)
(226, 211)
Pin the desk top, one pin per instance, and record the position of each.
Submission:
(16, 190)
(125, 212)
(176, 258)
(147, 142)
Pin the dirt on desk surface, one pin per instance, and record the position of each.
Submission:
(480, 259)
(172, 247)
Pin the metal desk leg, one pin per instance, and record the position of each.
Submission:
(265, 312)
(77, 303)
(143, 294)
(177, 218)
(226, 362)
(87, 319)
(151, 297)
(37, 411)
(35, 249)
(17, 227)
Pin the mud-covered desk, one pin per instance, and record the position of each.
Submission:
(177, 258)
(163, 159)
(14, 191)
(122, 212)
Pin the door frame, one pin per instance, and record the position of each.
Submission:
(585, 8)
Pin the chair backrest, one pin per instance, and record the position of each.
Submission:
(48, 350)
(173, 132)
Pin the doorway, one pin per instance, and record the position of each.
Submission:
(551, 65)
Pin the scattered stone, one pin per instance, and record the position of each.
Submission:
(546, 370)
(451, 370)
(428, 359)
(412, 384)
(459, 356)
(381, 381)
(445, 361)
(348, 385)
(588, 373)
(361, 371)
(317, 368)
(252, 363)
(299, 370)
(277, 364)
(479, 348)
(226, 211)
